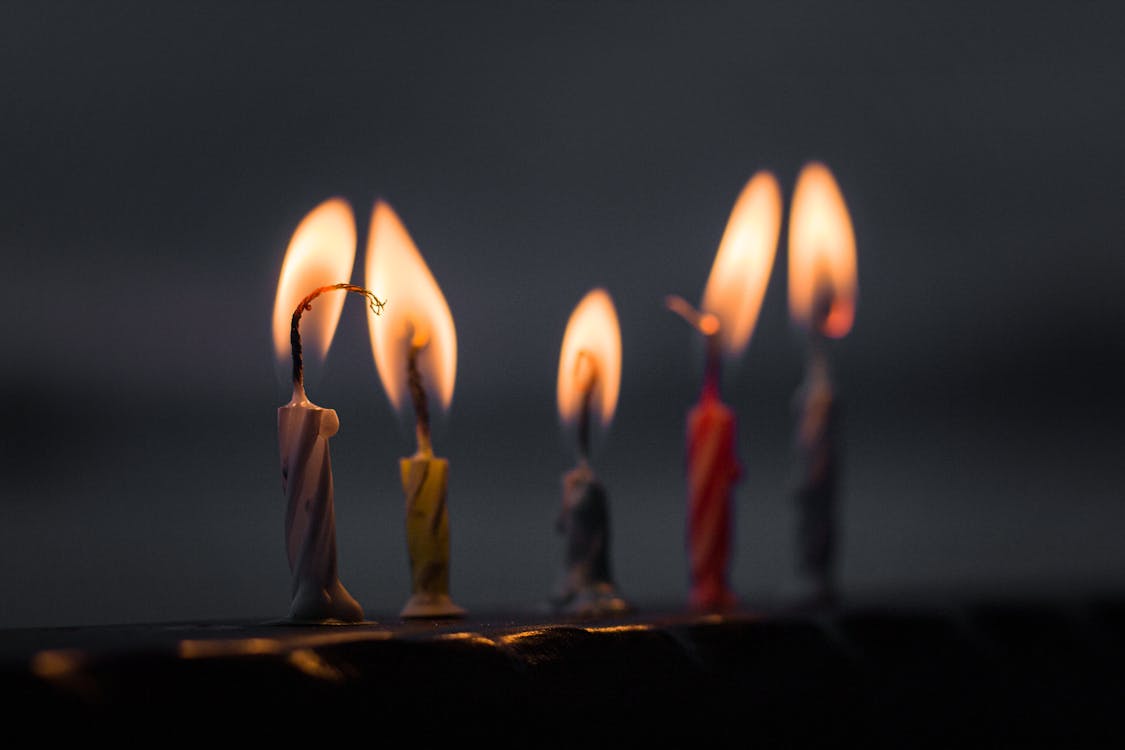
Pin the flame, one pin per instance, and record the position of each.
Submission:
(743, 262)
(321, 252)
(591, 348)
(821, 252)
(416, 313)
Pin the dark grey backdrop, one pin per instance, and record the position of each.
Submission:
(155, 159)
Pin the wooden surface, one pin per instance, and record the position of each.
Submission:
(1011, 671)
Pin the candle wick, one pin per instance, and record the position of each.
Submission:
(824, 297)
(421, 404)
(374, 303)
(591, 370)
(712, 375)
(685, 310)
(818, 369)
(818, 372)
(708, 324)
(823, 302)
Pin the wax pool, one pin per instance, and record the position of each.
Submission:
(310, 518)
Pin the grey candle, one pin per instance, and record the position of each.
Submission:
(822, 294)
(588, 383)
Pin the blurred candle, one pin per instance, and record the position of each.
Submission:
(588, 383)
(726, 319)
(822, 295)
(415, 351)
(321, 252)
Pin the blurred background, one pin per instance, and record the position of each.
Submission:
(156, 160)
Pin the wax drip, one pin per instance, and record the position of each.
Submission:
(373, 302)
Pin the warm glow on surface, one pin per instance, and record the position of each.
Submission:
(821, 251)
(634, 628)
(321, 252)
(56, 663)
(743, 262)
(591, 348)
(524, 635)
(222, 648)
(416, 313)
(209, 649)
(310, 662)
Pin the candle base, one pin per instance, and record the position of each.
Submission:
(592, 601)
(812, 593)
(324, 607)
(431, 605)
(709, 596)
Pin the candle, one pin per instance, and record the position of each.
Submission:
(415, 351)
(322, 250)
(726, 319)
(822, 294)
(588, 383)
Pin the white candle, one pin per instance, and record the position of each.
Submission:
(303, 430)
(321, 251)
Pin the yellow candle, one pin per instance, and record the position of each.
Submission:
(415, 351)
(425, 480)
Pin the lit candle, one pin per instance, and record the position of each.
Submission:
(588, 384)
(321, 251)
(822, 295)
(726, 319)
(415, 350)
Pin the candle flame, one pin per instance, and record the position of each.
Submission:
(742, 266)
(321, 252)
(416, 315)
(591, 350)
(822, 257)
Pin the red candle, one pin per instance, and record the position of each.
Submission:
(731, 301)
(713, 471)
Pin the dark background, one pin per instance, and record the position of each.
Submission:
(154, 161)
